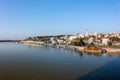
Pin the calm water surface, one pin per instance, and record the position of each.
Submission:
(20, 62)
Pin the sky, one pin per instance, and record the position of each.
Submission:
(24, 18)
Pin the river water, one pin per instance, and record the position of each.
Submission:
(20, 62)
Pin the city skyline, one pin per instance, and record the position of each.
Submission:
(23, 18)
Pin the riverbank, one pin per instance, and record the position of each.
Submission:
(78, 48)
(109, 50)
(32, 42)
(112, 50)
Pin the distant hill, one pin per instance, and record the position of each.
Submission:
(9, 40)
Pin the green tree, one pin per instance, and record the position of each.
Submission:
(109, 44)
(81, 42)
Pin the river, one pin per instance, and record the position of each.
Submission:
(20, 62)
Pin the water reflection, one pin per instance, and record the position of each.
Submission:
(73, 51)
(109, 71)
(81, 54)
(20, 62)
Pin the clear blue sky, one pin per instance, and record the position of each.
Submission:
(23, 18)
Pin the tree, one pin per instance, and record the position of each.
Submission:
(81, 42)
(109, 44)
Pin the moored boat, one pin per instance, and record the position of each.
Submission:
(94, 50)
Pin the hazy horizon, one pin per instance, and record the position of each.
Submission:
(24, 18)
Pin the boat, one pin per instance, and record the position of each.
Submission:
(94, 50)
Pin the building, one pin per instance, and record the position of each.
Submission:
(72, 37)
(105, 41)
(91, 40)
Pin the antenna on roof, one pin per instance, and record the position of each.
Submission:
(86, 31)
